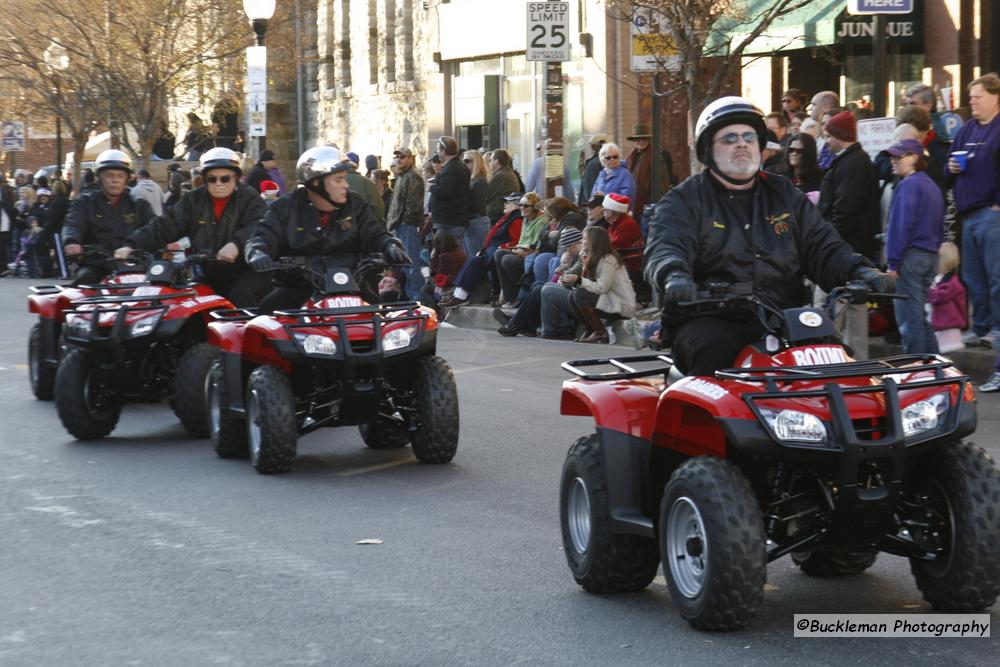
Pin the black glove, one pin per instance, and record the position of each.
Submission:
(396, 255)
(678, 288)
(877, 282)
(259, 260)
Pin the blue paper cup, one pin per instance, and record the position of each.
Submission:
(962, 158)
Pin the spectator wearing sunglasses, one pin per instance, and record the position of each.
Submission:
(800, 163)
(614, 177)
(215, 219)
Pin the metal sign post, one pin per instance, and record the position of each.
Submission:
(547, 25)
(879, 8)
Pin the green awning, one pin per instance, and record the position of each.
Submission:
(809, 26)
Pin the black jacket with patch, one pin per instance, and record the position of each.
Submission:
(194, 217)
(702, 229)
(294, 227)
(92, 220)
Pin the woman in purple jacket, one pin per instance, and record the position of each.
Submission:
(914, 235)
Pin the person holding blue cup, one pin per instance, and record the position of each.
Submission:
(974, 176)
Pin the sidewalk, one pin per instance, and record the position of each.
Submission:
(978, 363)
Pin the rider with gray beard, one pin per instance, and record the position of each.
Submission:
(733, 223)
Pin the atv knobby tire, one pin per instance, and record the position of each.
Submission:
(380, 435)
(271, 427)
(87, 410)
(966, 482)
(229, 436)
(713, 545)
(601, 560)
(41, 375)
(190, 382)
(835, 562)
(436, 441)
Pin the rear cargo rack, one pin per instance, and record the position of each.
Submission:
(623, 371)
(46, 290)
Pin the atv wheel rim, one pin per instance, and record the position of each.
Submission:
(214, 411)
(34, 364)
(578, 515)
(96, 398)
(253, 426)
(687, 547)
(940, 533)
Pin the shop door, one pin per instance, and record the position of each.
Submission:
(520, 136)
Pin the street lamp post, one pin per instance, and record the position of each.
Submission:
(259, 12)
(57, 60)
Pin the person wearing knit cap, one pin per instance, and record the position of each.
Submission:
(849, 200)
(625, 233)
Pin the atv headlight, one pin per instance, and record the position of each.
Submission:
(399, 339)
(795, 425)
(78, 326)
(316, 344)
(924, 415)
(144, 326)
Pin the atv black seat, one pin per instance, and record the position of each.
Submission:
(234, 314)
(127, 298)
(873, 367)
(622, 368)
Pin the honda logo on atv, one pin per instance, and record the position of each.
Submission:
(340, 278)
(156, 269)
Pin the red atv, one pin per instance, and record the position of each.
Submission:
(142, 346)
(338, 360)
(798, 450)
(50, 303)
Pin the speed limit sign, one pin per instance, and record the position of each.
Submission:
(548, 31)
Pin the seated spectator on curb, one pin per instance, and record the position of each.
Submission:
(595, 211)
(510, 263)
(564, 218)
(615, 177)
(504, 234)
(949, 308)
(547, 306)
(605, 290)
(626, 237)
(447, 258)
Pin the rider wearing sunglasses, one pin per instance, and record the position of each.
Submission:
(735, 224)
(216, 219)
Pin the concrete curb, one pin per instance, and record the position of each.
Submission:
(977, 363)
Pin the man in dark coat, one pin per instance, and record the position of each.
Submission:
(450, 192)
(323, 220)
(735, 224)
(104, 216)
(216, 219)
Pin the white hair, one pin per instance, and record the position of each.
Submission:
(809, 126)
(607, 148)
(905, 131)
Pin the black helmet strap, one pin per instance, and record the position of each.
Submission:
(315, 185)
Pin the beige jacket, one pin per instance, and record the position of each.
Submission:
(613, 286)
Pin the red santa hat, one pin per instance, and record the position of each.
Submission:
(617, 203)
(266, 186)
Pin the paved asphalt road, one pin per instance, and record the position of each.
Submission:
(146, 549)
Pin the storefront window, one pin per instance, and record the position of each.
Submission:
(903, 70)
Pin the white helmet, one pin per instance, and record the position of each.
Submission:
(319, 162)
(727, 111)
(113, 159)
(220, 158)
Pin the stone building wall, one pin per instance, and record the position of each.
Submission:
(373, 67)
